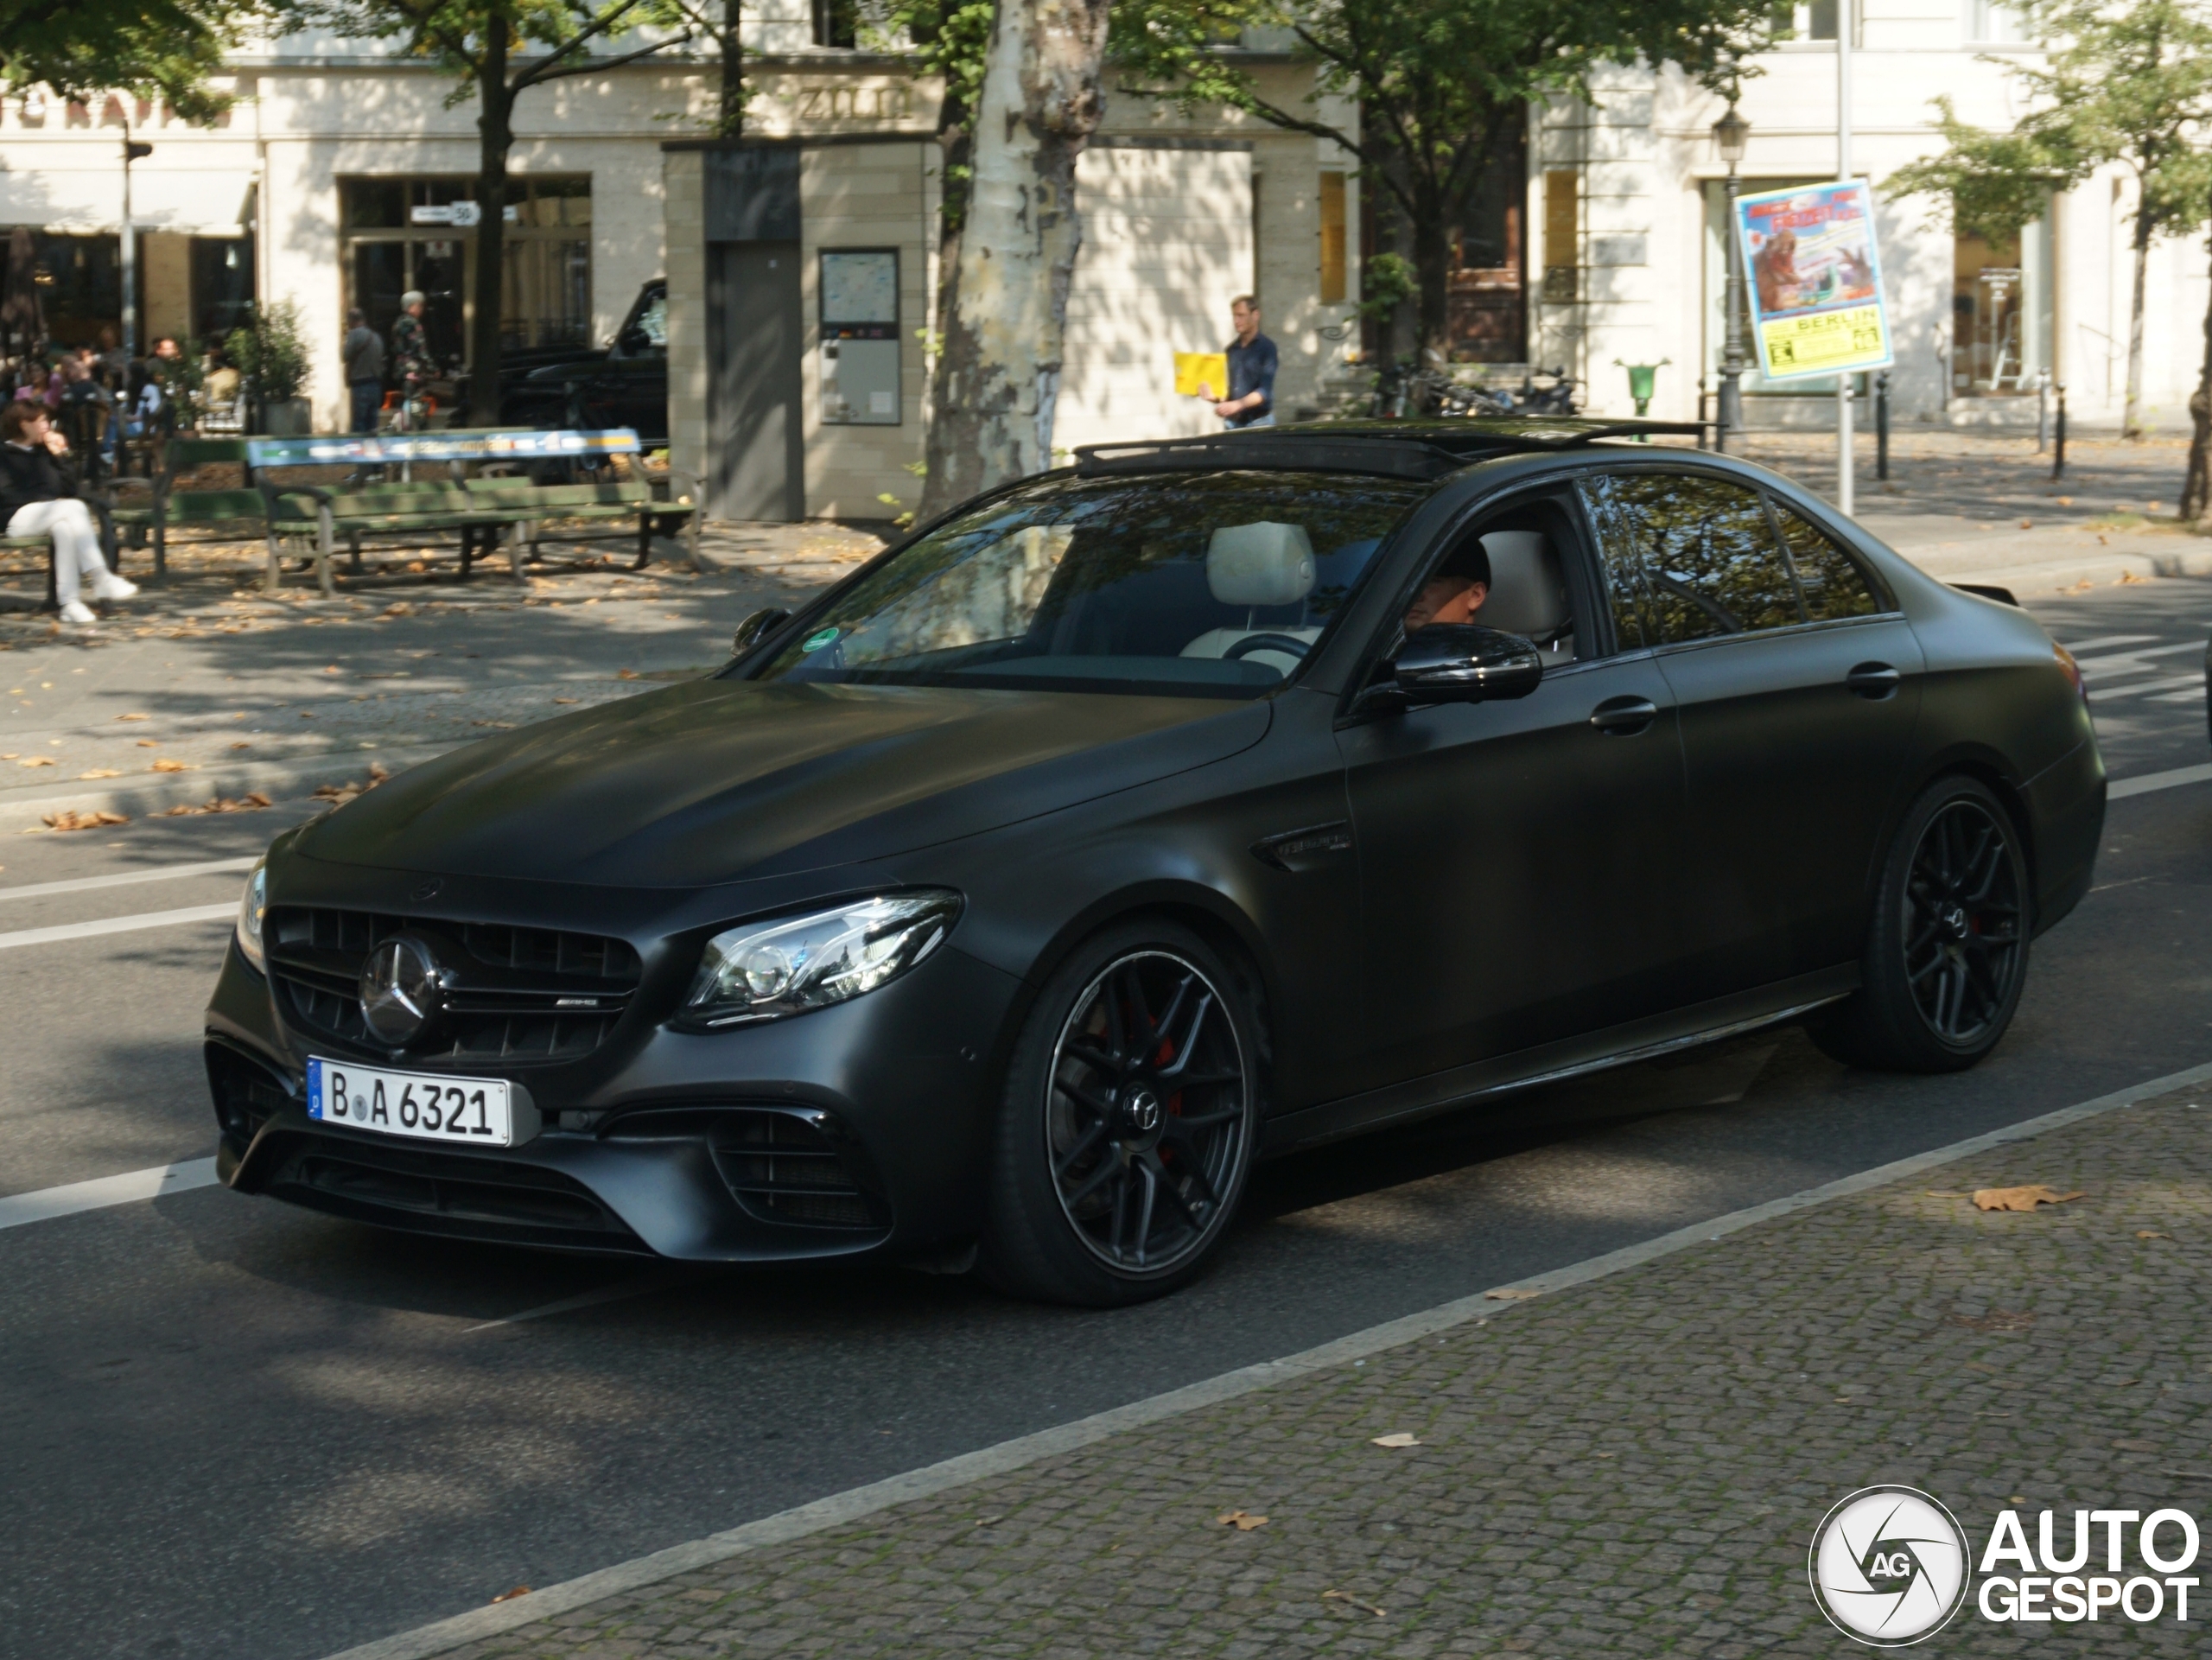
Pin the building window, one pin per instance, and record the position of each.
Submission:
(1562, 234)
(1806, 20)
(838, 24)
(1332, 238)
(2001, 312)
(1992, 23)
(420, 233)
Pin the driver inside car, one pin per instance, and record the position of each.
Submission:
(1455, 592)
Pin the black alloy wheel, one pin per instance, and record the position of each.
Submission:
(1129, 1123)
(1947, 953)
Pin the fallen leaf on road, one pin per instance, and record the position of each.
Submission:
(1346, 1596)
(37, 760)
(2126, 577)
(2066, 501)
(2145, 1233)
(134, 718)
(148, 743)
(1241, 1520)
(2027, 523)
(77, 821)
(102, 772)
(241, 746)
(503, 725)
(626, 674)
(253, 802)
(565, 700)
(2020, 1199)
(1511, 1294)
(166, 765)
(509, 1596)
(1397, 1438)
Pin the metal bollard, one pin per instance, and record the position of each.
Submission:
(1882, 427)
(2058, 438)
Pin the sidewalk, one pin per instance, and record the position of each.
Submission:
(1633, 1466)
(207, 687)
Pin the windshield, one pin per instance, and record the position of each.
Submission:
(1198, 585)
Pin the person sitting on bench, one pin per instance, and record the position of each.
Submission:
(38, 498)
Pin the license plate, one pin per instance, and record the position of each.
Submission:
(458, 1111)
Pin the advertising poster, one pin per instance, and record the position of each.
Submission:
(1813, 280)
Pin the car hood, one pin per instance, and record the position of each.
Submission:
(719, 780)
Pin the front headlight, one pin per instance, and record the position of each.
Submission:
(764, 970)
(253, 904)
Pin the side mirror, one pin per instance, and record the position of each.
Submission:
(1466, 663)
(756, 627)
(635, 341)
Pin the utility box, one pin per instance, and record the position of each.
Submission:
(859, 349)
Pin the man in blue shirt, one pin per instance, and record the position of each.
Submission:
(1252, 361)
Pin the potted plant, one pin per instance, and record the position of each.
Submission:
(268, 352)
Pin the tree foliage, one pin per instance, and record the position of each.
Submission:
(2127, 85)
(151, 49)
(1437, 84)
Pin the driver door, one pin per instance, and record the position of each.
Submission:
(1517, 859)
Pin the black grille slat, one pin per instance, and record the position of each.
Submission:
(513, 991)
(783, 1169)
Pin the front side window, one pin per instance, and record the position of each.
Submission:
(1710, 561)
(1195, 585)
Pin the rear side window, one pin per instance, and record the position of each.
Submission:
(1711, 563)
(1833, 585)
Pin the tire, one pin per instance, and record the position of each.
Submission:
(1947, 948)
(1117, 1168)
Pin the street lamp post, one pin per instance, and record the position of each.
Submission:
(1731, 134)
(133, 150)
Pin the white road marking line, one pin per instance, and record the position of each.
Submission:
(2172, 683)
(2082, 645)
(2086, 664)
(98, 1194)
(116, 925)
(635, 1288)
(2150, 781)
(447, 1635)
(159, 874)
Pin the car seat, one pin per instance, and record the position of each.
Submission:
(1528, 592)
(1258, 565)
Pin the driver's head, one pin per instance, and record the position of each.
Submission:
(1454, 591)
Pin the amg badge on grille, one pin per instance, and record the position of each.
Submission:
(399, 989)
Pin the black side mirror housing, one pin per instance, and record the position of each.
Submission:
(1466, 663)
(757, 628)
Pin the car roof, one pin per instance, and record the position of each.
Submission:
(1423, 450)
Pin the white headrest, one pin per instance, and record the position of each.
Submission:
(1528, 594)
(1260, 563)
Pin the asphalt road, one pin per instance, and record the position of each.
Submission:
(229, 1428)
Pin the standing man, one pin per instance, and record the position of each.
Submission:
(410, 349)
(1252, 362)
(363, 356)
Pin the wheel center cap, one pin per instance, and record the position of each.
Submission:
(1140, 1111)
(1954, 918)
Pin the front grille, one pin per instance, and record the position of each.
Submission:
(475, 1198)
(792, 1165)
(512, 995)
(247, 1094)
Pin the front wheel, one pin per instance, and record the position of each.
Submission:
(1946, 952)
(1128, 1121)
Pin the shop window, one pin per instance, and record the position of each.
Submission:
(222, 284)
(2001, 312)
(420, 233)
(1332, 238)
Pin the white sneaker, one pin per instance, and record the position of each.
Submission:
(109, 586)
(78, 611)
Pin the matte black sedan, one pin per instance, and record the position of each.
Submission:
(1201, 801)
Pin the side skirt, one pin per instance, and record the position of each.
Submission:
(1617, 1045)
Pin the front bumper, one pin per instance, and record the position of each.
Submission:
(862, 1129)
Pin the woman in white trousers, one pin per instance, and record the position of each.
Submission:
(33, 494)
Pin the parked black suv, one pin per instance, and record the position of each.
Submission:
(626, 385)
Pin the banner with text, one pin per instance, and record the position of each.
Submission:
(1815, 280)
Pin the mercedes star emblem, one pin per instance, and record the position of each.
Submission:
(399, 989)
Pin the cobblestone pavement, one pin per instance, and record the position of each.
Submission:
(1634, 1465)
(204, 677)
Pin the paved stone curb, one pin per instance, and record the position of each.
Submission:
(279, 780)
(558, 1620)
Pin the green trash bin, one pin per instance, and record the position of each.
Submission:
(1642, 380)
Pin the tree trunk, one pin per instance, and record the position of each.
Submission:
(2131, 420)
(2197, 487)
(1433, 272)
(999, 375)
(495, 131)
(729, 121)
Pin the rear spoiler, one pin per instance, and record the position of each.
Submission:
(1988, 591)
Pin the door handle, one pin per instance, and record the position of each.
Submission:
(1874, 681)
(1624, 717)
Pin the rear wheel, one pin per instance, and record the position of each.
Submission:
(1946, 952)
(1128, 1121)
